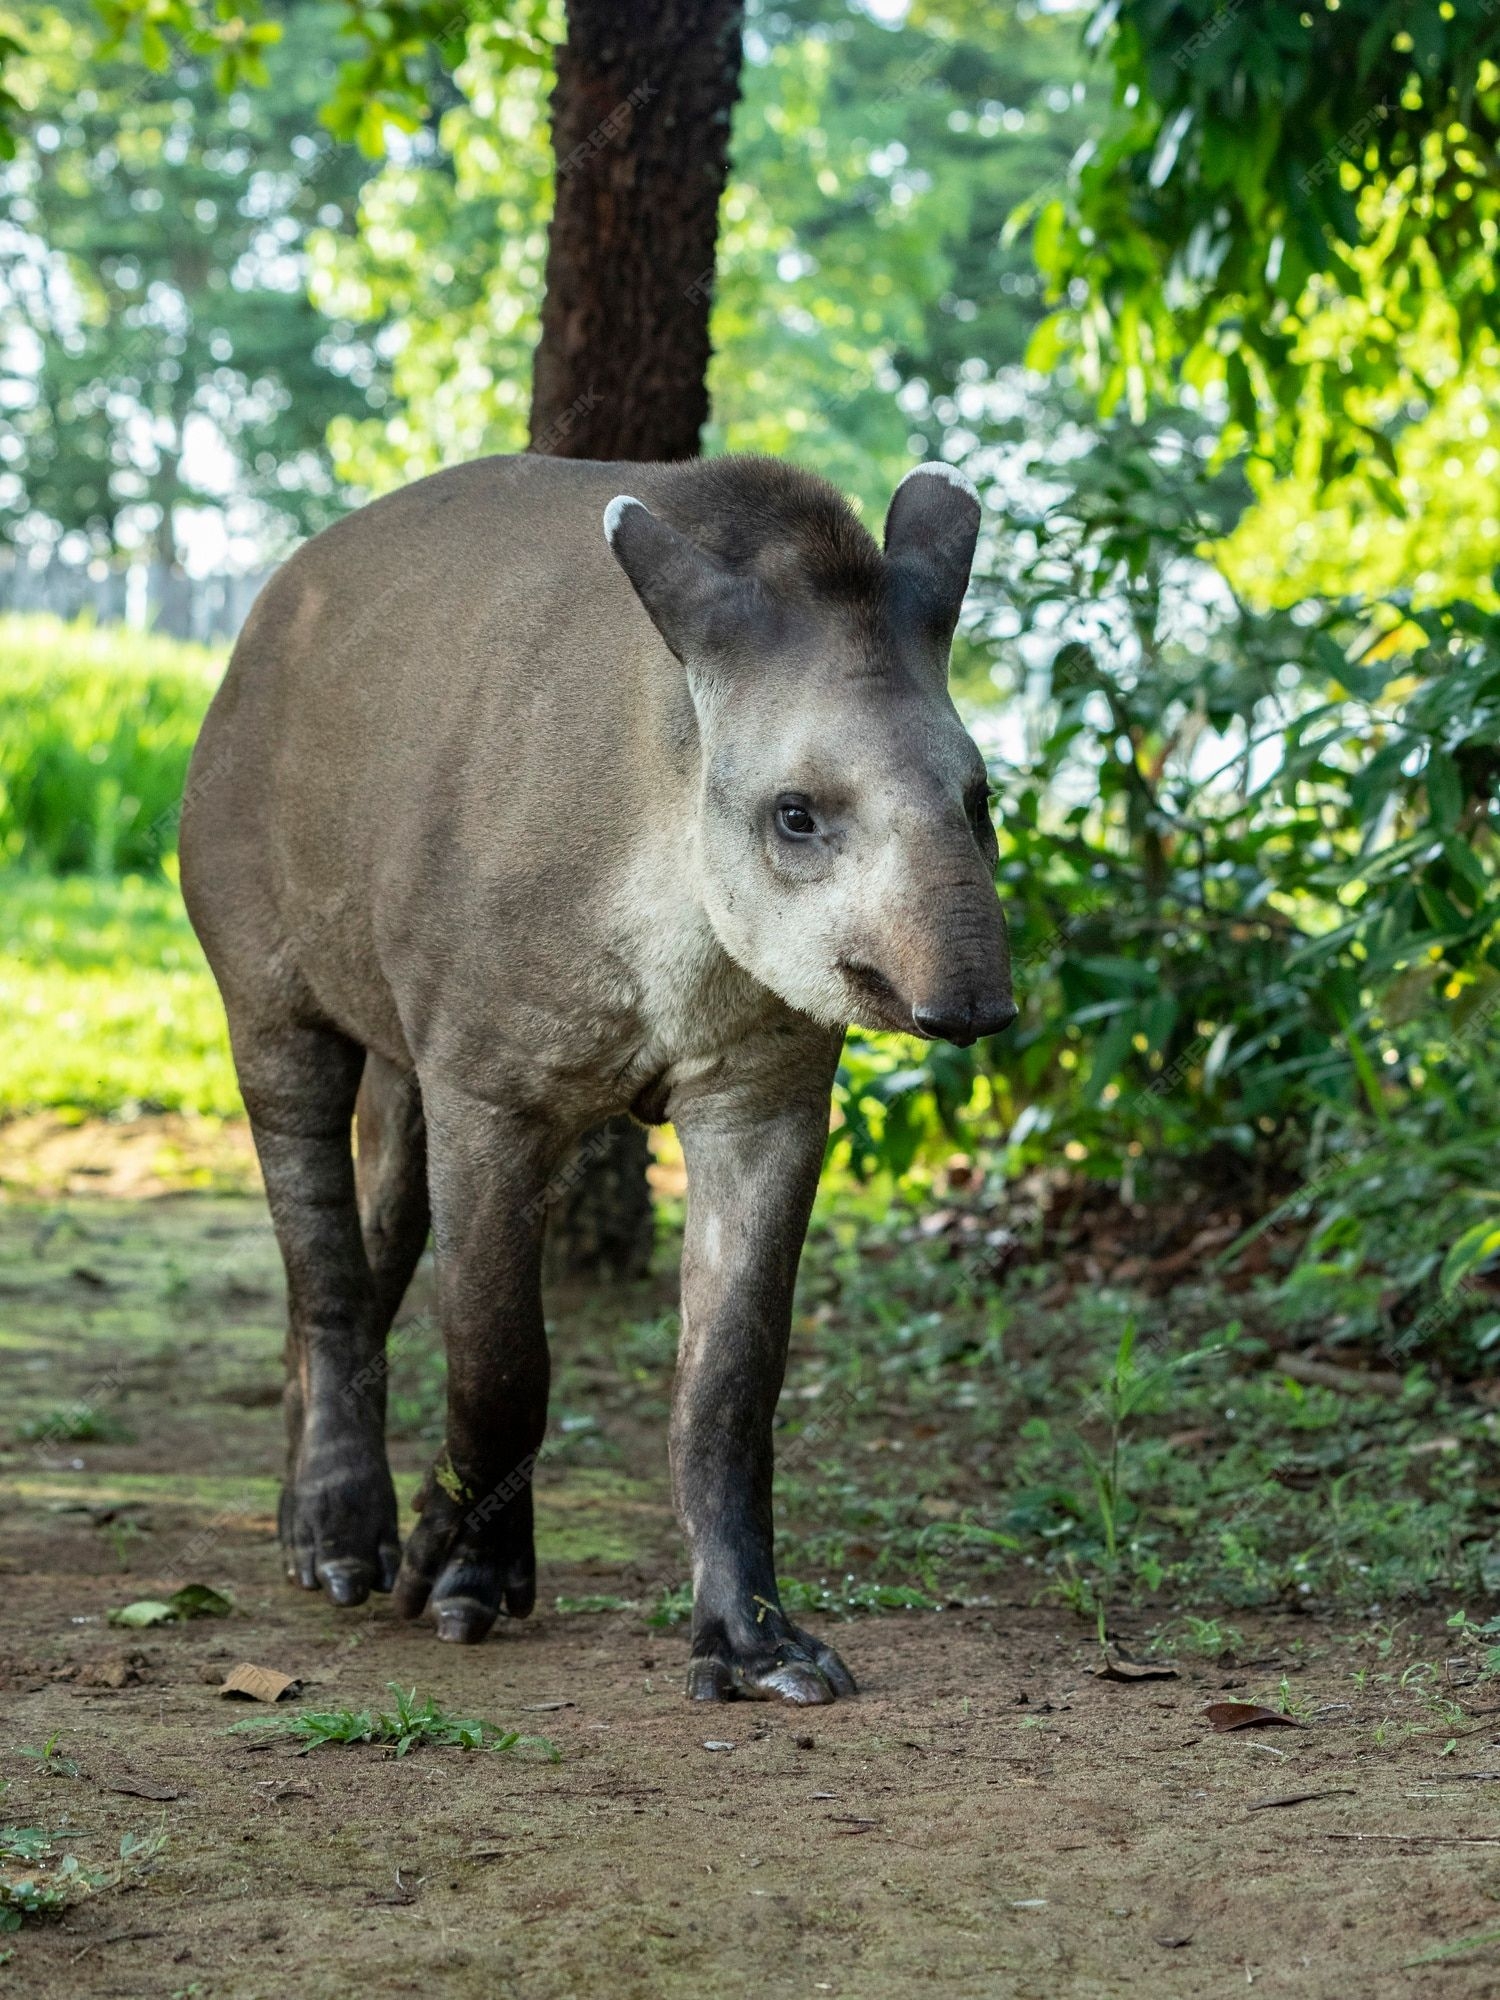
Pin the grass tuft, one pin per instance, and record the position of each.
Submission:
(409, 1725)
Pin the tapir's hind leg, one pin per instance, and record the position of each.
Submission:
(338, 1507)
(390, 1173)
(471, 1552)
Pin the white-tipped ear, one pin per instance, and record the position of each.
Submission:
(613, 512)
(699, 607)
(930, 533)
(938, 469)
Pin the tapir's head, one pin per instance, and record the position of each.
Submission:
(844, 844)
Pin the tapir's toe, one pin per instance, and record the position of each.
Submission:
(799, 1682)
(339, 1535)
(801, 1670)
(463, 1621)
(346, 1580)
(831, 1667)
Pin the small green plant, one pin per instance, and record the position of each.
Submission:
(73, 1423)
(51, 1758)
(1484, 1635)
(1125, 1391)
(1207, 1638)
(24, 1843)
(846, 1596)
(123, 1535)
(1288, 1703)
(55, 1881)
(409, 1725)
(839, 1597)
(39, 1895)
(673, 1607)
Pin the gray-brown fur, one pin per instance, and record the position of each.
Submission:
(500, 832)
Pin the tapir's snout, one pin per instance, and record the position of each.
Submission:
(966, 991)
(965, 1021)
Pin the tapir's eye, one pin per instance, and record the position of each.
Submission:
(794, 818)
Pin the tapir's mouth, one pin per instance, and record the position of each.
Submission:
(876, 988)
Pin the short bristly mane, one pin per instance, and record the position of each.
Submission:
(762, 515)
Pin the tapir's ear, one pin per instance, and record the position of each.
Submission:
(930, 532)
(694, 602)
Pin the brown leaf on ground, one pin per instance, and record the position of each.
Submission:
(1115, 1668)
(1224, 1715)
(247, 1682)
(134, 1785)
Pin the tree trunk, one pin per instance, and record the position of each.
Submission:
(640, 133)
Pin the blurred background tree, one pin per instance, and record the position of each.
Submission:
(163, 355)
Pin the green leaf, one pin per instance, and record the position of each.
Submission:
(193, 1600)
(145, 1611)
(1470, 1253)
(1445, 791)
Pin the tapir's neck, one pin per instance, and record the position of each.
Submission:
(691, 999)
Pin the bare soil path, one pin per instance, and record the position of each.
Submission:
(989, 1818)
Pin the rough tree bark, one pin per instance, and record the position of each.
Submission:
(640, 132)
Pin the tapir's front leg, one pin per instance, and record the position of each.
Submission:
(753, 1150)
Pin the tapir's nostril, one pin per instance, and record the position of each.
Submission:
(945, 1024)
(966, 1023)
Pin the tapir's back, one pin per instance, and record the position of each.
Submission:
(448, 703)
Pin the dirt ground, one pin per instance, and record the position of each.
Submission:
(988, 1818)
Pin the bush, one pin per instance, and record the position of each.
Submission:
(96, 726)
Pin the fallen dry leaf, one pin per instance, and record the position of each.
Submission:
(1225, 1715)
(134, 1786)
(247, 1682)
(1115, 1668)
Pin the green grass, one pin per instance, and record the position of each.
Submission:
(96, 726)
(109, 1002)
(38, 1880)
(960, 1428)
(409, 1725)
(74, 1423)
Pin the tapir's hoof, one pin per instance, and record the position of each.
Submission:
(801, 1670)
(339, 1536)
(464, 1567)
(463, 1621)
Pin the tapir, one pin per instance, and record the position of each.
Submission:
(540, 791)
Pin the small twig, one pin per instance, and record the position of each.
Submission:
(1445, 1839)
(115, 1937)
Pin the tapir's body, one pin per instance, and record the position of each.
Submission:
(525, 825)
